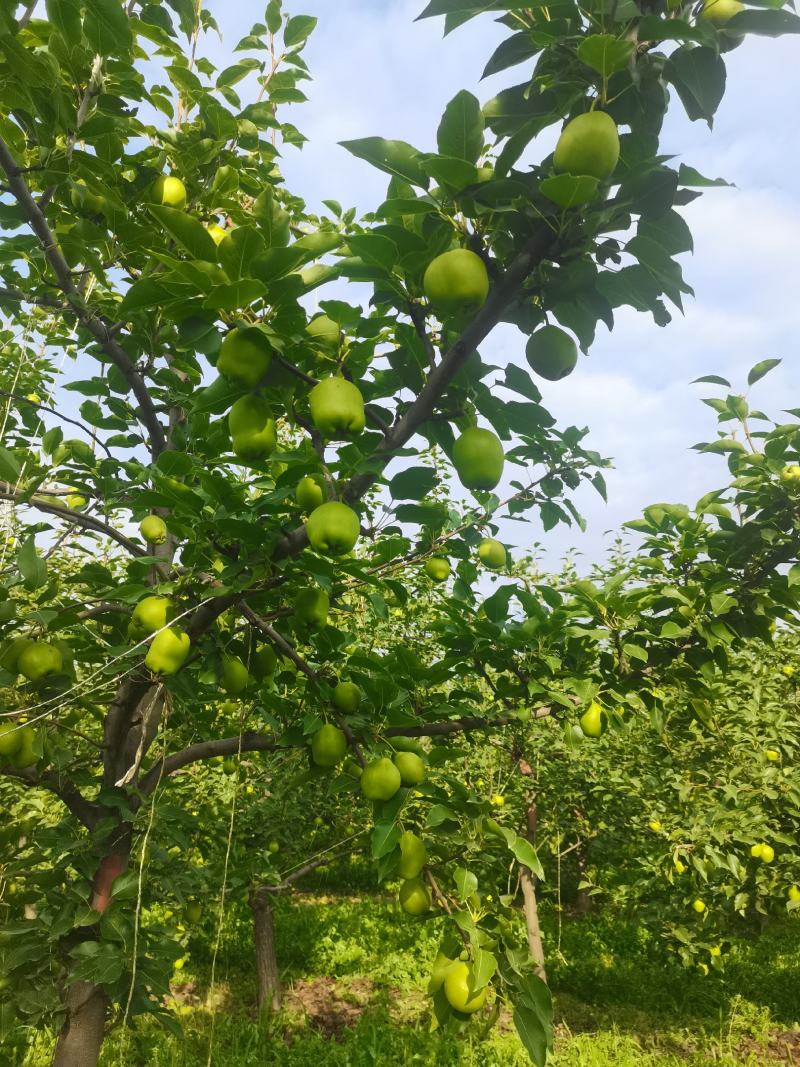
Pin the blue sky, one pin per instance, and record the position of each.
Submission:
(376, 71)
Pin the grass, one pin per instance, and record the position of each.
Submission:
(355, 973)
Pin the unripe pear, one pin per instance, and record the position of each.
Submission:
(589, 144)
(411, 767)
(38, 659)
(333, 528)
(252, 428)
(311, 607)
(153, 529)
(380, 780)
(311, 492)
(328, 746)
(347, 697)
(169, 191)
(552, 353)
(151, 614)
(168, 651)
(245, 356)
(415, 897)
(235, 676)
(413, 855)
(437, 569)
(593, 720)
(324, 330)
(721, 11)
(459, 989)
(478, 458)
(492, 554)
(456, 282)
(10, 739)
(337, 408)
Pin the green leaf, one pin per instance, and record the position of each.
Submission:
(466, 883)
(238, 250)
(9, 466)
(689, 178)
(298, 29)
(31, 566)
(107, 27)
(570, 190)
(413, 484)
(605, 53)
(712, 379)
(764, 23)
(484, 965)
(471, 7)
(760, 369)
(235, 73)
(532, 1034)
(460, 133)
(397, 158)
(384, 839)
(452, 172)
(698, 75)
(144, 293)
(525, 853)
(272, 16)
(187, 231)
(272, 219)
(65, 15)
(375, 249)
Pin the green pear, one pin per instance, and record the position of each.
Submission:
(333, 528)
(589, 144)
(347, 697)
(413, 855)
(324, 331)
(437, 568)
(252, 428)
(235, 676)
(38, 659)
(245, 356)
(478, 458)
(411, 767)
(311, 607)
(456, 282)
(153, 530)
(150, 614)
(492, 554)
(337, 408)
(168, 651)
(328, 746)
(415, 897)
(311, 492)
(380, 779)
(552, 353)
(169, 192)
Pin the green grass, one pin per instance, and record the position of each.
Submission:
(361, 969)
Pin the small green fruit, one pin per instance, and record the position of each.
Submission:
(459, 988)
(193, 911)
(456, 282)
(333, 528)
(229, 765)
(311, 492)
(437, 568)
(168, 651)
(720, 11)
(84, 200)
(699, 906)
(38, 659)
(151, 614)
(25, 756)
(441, 965)
(311, 607)
(273, 847)
(252, 428)
(10, 739)
(552, 353)
(772, 755)
(413, 855)
(153, 529)
(12, 650)
(380, 780)
(589, 144)
(337, 408)
(411, 767)
(263, 663)
(478, 458)
(794, 893)
(492, 554)
(328, 746)
(347, 697)
(593, 721)
(235, 676)
(324, 330)
(245, 356)
(415, 897)
(169, 191)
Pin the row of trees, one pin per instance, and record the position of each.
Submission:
(256, 535)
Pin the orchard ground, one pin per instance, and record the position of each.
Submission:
(355, 972)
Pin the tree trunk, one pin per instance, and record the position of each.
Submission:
(268, 987)
(84, 1026)
(530, 908)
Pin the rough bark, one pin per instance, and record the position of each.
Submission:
(268, 983)
(84, 1026)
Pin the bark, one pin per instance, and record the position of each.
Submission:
(530, 909)
(84, 1026)
(530, 904)
(268, 984)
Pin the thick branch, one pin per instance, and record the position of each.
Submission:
(250, 741)
(98, 327)
(439, 379)
(78, 518)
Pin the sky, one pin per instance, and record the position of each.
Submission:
(378, 72)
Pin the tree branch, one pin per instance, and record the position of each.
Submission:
(58, 415)
(249, 741)
(438, 380)
(98, 327)
(463, 725)
(78, 518)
